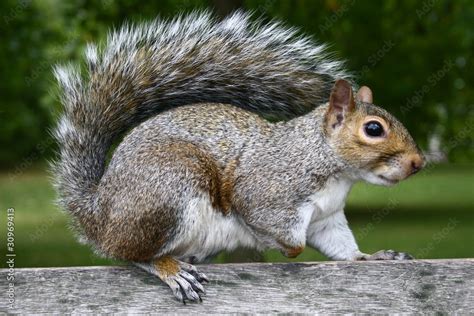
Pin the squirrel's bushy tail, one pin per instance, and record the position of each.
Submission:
(144, 69)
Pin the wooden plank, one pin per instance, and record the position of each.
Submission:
(444, 286)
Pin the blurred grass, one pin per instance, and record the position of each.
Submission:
(430, 215)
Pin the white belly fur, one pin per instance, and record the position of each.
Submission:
(322, 204)
(331, 198)
(207, 231)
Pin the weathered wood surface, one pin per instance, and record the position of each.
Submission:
(420, 286)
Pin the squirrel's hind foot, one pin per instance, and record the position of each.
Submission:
(184, 280)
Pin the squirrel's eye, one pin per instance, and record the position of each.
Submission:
(374, 129)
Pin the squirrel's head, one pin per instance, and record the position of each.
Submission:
(375, 145)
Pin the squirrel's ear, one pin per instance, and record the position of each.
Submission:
(341, 102)
(365, 95)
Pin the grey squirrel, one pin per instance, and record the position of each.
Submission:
(200, 170)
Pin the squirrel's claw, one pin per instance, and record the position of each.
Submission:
(200, 277)
(175, 288)
(186, 287)
(387, 255)
(194, 282)
(186, 284)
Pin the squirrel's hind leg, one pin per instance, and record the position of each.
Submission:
(183, 278)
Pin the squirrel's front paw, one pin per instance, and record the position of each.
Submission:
(386, 255)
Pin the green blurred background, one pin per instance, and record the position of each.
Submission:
(415, 55)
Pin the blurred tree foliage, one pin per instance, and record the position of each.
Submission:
(415, 55)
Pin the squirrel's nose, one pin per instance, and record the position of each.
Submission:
(417, 162)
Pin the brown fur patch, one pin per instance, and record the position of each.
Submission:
(294, 252)
(166, 266)
(135, 237)
(205, 169)
(220, 185)
(227, 186)
(290, 251)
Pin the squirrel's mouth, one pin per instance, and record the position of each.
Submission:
(388, 180)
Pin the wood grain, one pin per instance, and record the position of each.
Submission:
(419, 286)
